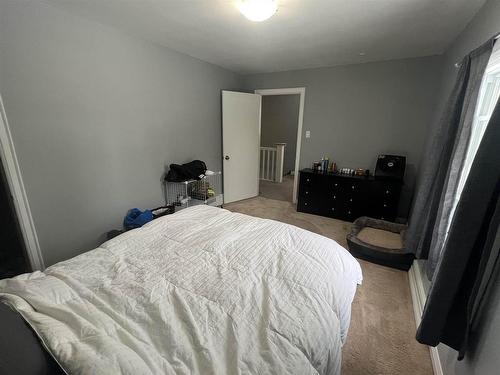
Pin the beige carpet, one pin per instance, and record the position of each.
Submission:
(381, 338)
(282, 191)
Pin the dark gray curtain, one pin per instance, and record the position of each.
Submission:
(443, 160)
(470, 254)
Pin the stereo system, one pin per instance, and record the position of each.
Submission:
(390, 167)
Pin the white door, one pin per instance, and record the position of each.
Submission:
(240, 145)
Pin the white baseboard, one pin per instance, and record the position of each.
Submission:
(418, 297)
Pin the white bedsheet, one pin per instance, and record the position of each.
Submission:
(204, 291)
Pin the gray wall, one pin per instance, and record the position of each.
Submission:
(96, 115)
(484, 358)
(279, 119)
(356, 112)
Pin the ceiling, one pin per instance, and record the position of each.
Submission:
(302, 34)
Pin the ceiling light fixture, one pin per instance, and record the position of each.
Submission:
(257, 10)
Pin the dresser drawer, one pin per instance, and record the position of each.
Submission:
(386, 191)
(343, 213)
(308, 179)
(385, 210)
(333, 186)
(354, 207)
(308, 192)
(343, 186)
(309, 184)
(309, 205)
(333, 209)
(351, 215)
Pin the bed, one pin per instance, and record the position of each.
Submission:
(202, 291)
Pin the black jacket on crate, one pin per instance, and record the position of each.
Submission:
(193, 170)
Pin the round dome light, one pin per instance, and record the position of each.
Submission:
(257, 10)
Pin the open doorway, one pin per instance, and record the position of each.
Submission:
(12, 252)
(280, 133)
(20, 250)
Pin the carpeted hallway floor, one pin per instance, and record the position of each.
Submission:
(381, 338)
(279, 191)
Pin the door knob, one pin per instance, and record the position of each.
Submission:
(227, 157)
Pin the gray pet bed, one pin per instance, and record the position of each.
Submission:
(380, 242)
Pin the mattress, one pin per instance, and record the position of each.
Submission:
(203, 291)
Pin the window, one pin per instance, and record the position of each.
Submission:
(487, 100)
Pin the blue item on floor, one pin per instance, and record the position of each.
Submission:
(136, 218)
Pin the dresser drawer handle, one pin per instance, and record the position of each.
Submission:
(335, 184)
(334, 197)
(308, 180)
(350, 199)
(333, 209)
(349, 212)
(305, 203)
(352, 187)
(385, 205)
(387, 191)
(307, 192)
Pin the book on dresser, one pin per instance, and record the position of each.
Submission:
(347, 197)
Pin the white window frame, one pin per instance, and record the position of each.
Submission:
(482, 114)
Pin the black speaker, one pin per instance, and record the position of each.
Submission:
(390, 167)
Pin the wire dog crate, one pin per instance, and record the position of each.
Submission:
(184, 194)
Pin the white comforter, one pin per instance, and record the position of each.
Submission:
(204, 291)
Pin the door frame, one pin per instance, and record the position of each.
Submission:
(291, 91)
(18, 192)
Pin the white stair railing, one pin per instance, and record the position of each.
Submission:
(271, 162)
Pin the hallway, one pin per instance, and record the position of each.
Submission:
(278, 191)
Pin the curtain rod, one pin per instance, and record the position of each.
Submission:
(457, 64)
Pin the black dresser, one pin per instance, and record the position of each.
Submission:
(348, 197)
